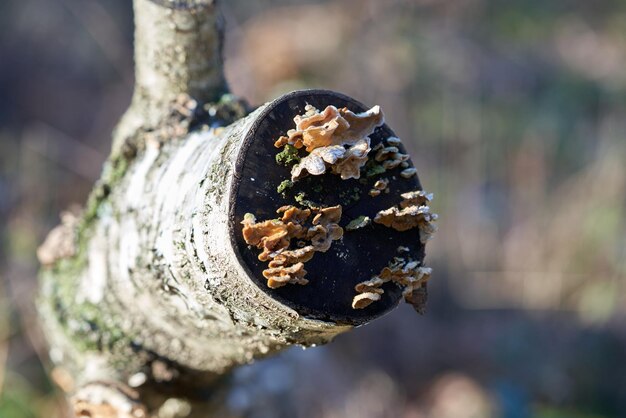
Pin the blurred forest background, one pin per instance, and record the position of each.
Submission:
(515, 114)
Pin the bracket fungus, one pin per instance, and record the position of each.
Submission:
(275, 237)
(414, 213)
(347, 196)
(337, 138)
(409, 275)
(379, 187)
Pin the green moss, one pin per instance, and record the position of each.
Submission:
(360, 222)
(372, 168)
(114, 170)
(302, 200)
(288, 156)
(94, 330)
(283, 186)
(88, 325)
(350, 196)
(91, 327)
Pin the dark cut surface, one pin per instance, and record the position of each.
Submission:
(359, 255)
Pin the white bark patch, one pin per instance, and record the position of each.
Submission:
(137, 183)
(93, 284)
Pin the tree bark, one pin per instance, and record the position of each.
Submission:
(178, 50)
(149, 296)
(154, 278)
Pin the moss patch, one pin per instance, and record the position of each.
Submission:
(360, 222)
(302, 200)
(372, 168)
(283, 186)
(350, 196)
(288, 156)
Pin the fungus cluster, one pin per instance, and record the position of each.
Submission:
(413, 212)
(390, 156)
(334, 138)
(338, 141)
(379, 187)
(312, 229)
(407, 274)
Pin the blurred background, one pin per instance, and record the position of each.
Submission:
(515, 114)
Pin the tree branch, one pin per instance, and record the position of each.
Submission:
(156, 290)
(178, 51)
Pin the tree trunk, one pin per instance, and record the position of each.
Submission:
(152, 294)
